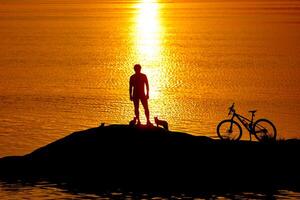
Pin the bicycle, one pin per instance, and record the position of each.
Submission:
(262, 129)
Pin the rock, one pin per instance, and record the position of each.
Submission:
(135, 157)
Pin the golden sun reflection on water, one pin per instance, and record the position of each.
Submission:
(66, 66)
(148, 36)
(148, 31)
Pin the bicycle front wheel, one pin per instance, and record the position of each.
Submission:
(264, 130)
(229, 130)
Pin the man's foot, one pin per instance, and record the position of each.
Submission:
(149, 124)
(138, 123)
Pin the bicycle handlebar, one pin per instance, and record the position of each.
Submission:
(231, 109)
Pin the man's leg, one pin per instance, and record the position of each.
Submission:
(136, 109)
(145, 105)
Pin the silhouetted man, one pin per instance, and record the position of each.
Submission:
(137, 92)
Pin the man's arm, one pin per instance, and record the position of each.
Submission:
(147, 87)
(130, 89)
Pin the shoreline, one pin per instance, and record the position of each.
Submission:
(120, 156)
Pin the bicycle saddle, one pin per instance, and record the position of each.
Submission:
(252, 111)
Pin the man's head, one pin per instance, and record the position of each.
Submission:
(137, 68)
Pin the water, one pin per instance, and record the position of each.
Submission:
(45, 190)
(65, 65)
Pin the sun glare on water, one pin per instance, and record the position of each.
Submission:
(148, 31)
(148, 36)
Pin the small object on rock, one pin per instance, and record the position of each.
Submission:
(132, 122)
(102, 125)
(162, 123)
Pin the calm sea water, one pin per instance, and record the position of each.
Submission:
(65, 65)
(45, 191)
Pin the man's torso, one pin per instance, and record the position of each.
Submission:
(138, 82)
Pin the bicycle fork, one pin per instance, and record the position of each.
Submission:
(230, 128)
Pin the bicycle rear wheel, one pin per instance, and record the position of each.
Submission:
(264, 130)
(229, 130)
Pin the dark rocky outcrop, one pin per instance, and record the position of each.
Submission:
(119, 156)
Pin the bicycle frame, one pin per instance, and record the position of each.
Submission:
(245, 121)
(253, 127)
